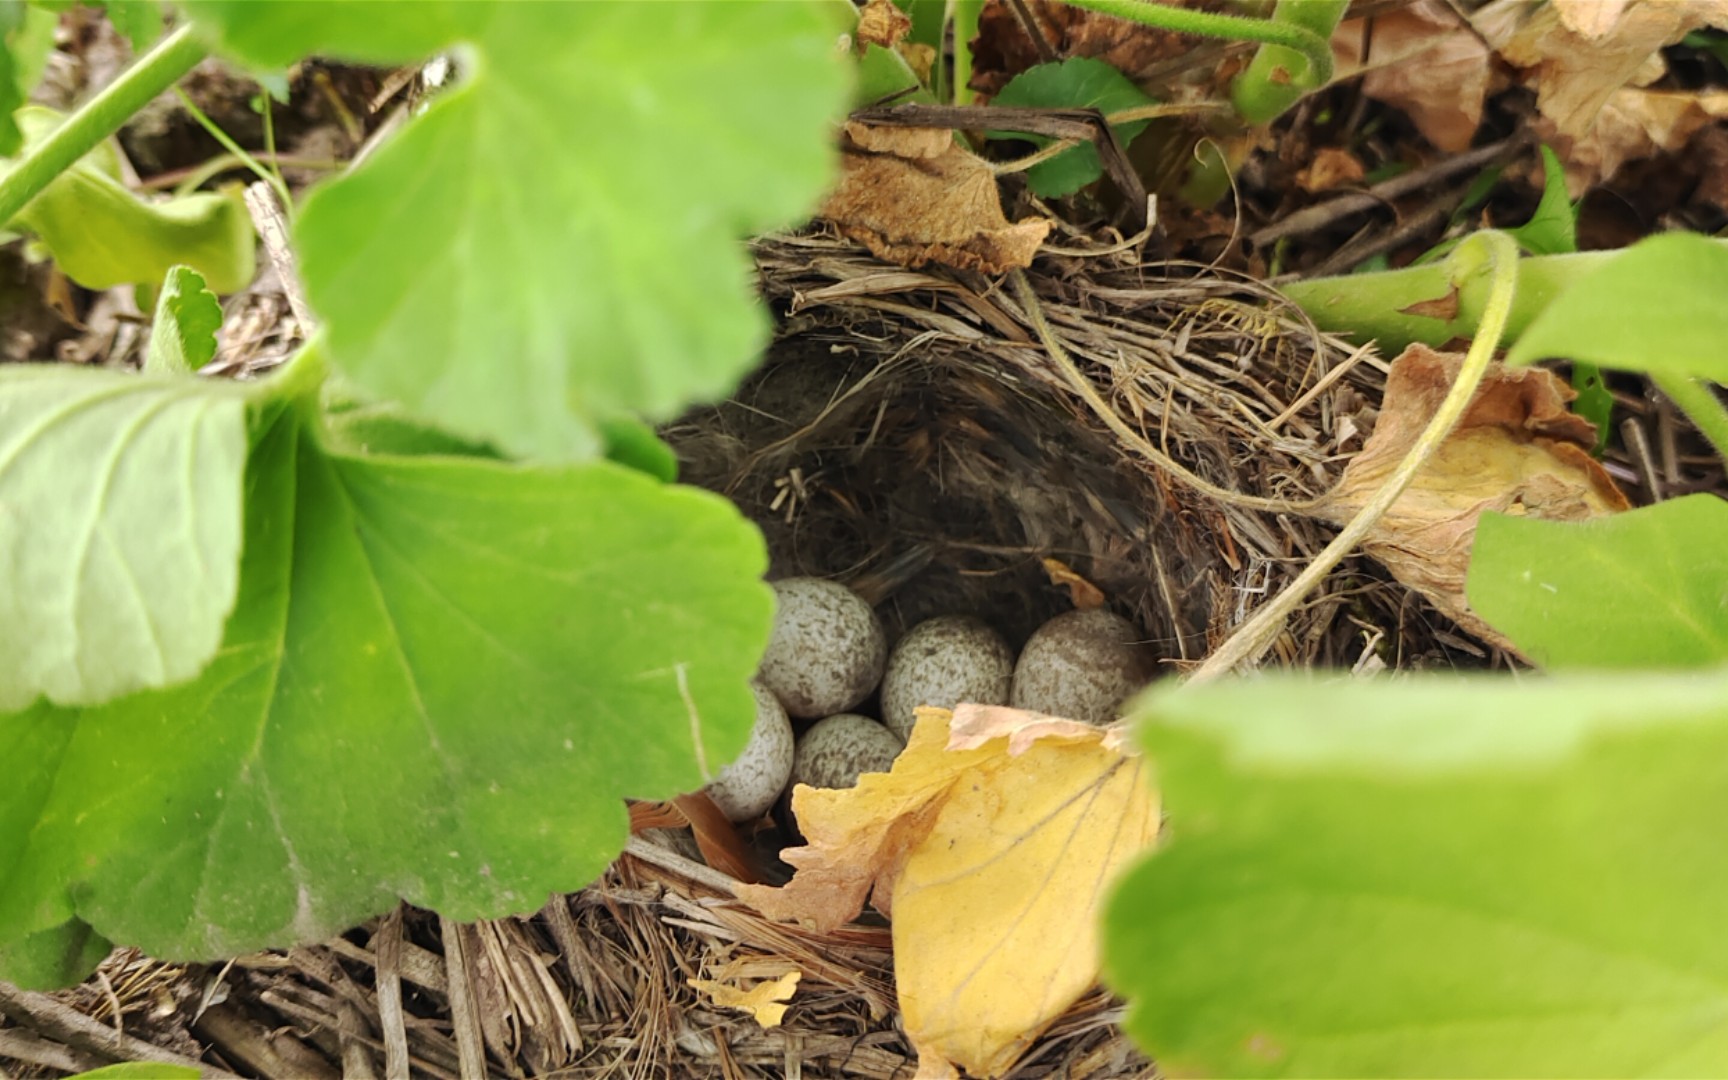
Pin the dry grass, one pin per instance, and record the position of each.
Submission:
(910, 436)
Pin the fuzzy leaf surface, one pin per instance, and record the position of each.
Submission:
(120, 529)
(441, 678)
(1645, 589)
(590, 177)
(1075, 83)
(183, 331)
(1656, 306)
(1438, 877)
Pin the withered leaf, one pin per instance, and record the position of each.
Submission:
(1516, 450)
(989, 845)
(915, 196)
(881, 22)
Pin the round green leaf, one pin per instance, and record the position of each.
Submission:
(1075, 83)
(554, 244)
(276, 33)
(1436, 877)
(1656, 306)
(119, 529)
(1645, 589)
(441, 679)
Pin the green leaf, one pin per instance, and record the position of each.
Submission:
(183, 331)
(102, 235)
(1076, 83)
(1436, 877)
(1552, 229)
(633, 443)
(278, 33)
(590, 178)
(1645, 589)
(1595, 401)
(139, 1070)
(138, 21)
(120, 536)
(26, 39)
(1656, 306)
(440, 680)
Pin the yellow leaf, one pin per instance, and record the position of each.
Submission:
(763, 1001)
(990, 845)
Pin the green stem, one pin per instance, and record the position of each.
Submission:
(1279, 76)
(253, 165)
(1498, 254)
(99, 118)
(1314, 48)
(966, 16)
(1431, 303)
(1698, 400)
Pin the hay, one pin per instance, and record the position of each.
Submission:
(908, 435)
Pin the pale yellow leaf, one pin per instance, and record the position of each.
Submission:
(990, 846)
(765, 1001)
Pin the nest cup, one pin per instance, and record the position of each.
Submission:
(911, 436)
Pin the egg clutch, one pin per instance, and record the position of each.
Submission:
(828, 661)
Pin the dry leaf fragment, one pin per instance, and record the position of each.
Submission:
(764, 1001)
(881, 22)
(989, 845)
(1332, 167)
(1577, 55)
(1425, 60)
(1636, 124)
(914, 196)
(1517, 450)
(1081, 593)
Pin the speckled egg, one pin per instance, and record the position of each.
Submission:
(745, 789)
(942, 662)
(835, 752)
(1082, 665)
(827, 650)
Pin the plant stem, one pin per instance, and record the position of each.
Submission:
(253, 165)
(1699, 401)
(1431, 303)
(1499, 254)
(99, 118)
(1278, 76)
(1314, 48)
(966, 15)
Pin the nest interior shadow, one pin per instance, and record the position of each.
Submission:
(911, 436)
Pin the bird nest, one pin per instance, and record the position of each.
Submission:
(914, 435)
(941, 442)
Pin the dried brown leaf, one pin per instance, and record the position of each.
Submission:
(1081, 593)
(914, 197)
(1578, 58)
(881, 22)
(1516, 450)
(1332, 167)
(1428, 62)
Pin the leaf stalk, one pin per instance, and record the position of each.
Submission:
(100, 117)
